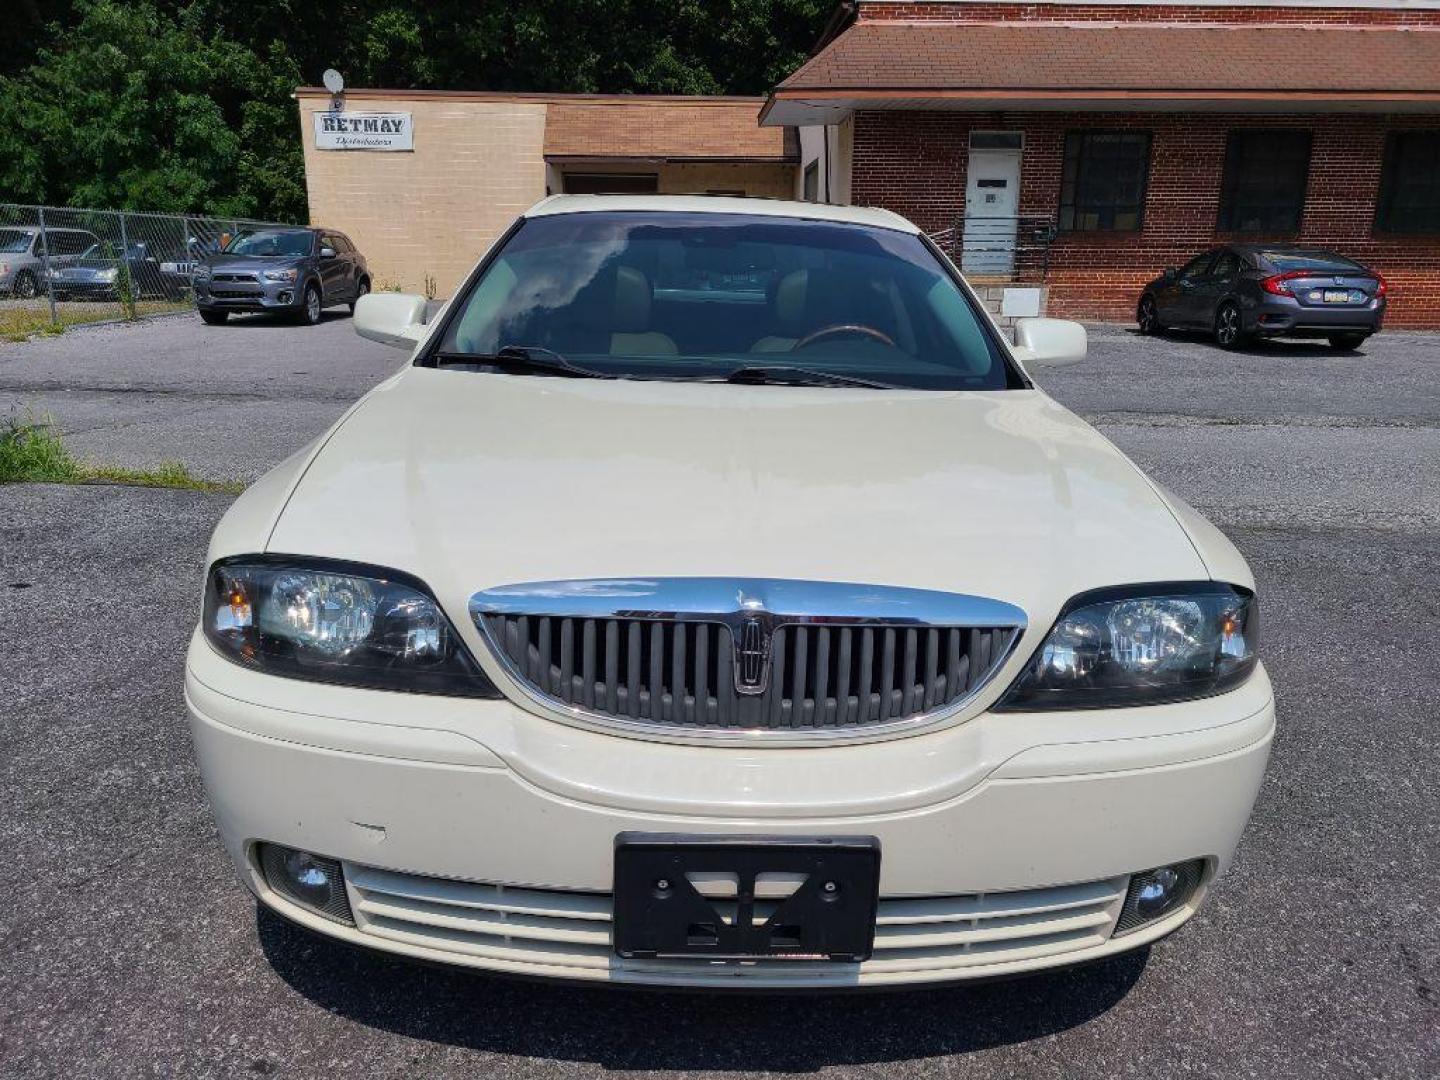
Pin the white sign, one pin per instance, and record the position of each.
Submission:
(364, 131)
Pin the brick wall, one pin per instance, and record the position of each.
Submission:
(900, 11)
(914, 163)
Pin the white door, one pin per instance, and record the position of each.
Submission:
(992, 197)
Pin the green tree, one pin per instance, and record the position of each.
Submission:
(185, 105)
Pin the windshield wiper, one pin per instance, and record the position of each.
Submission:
(782, 375)
(523, 358)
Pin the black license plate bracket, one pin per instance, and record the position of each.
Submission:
(830, 914)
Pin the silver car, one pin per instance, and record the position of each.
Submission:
(22, 255)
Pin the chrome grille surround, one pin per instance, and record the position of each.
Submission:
(746, 659)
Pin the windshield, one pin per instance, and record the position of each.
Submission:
(701, 295)
(270, 243)
(12, 241)
(1311, 260)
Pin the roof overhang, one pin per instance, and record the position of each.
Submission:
(653, 160)
(803, 108)
(1095, 66)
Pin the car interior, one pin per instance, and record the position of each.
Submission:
(711, 294)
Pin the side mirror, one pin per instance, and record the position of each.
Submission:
(1050, 343)
(327, 253)
(396, 319)
(1169, 274)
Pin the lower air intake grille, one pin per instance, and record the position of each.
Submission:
(918, 938)
(750, 668)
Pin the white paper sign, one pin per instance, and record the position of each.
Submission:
(364, 131)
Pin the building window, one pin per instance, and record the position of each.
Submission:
(811, 184)
(1103, 184)
(1410, 183)
(997, 140)
(611, 183)
(1263, 189)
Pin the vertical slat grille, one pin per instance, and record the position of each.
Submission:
(681, 673)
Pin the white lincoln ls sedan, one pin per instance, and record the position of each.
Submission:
(715, 601)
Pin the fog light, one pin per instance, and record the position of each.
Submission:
(312, 881)
(1156, 893)
(285, 296)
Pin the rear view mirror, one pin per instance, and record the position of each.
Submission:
(327, 253)
(1049, 342)
(396, 319)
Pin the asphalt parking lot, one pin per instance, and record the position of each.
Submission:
(130, 950)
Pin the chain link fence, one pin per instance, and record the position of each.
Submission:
(60, 266)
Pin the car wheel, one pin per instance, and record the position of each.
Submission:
(1229, 330)
(310, 313)
(360, 290)
(1147, 316)
(1347, 342)
(215, 318)
(25, 285)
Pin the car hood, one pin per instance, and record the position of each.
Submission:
(471, 481)
(245, 264)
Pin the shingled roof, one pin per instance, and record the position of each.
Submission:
(1390, 67)
(696, 129)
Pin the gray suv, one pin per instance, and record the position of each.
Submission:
(22, 256)
(1267, 290)
(296, 272)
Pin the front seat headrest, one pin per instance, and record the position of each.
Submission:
(633, 296)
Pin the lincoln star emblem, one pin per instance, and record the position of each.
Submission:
(752, 653)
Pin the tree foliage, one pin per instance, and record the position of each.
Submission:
(185, 106)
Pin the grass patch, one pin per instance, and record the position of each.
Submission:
(33, 317)
(32, 452)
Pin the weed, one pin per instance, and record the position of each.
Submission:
(32, 451)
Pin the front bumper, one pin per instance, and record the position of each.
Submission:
(89, 289)
(475, 833)
(280, 296)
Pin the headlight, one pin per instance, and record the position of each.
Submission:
(106, 274)
(1141, 645)
(202, 273)
(338, 623)
(279, 275)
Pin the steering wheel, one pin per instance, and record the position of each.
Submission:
(842, 328)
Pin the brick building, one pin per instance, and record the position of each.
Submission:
(1086, 144)
(477, 160)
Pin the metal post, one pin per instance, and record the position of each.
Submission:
(123, 268)
(45, 265)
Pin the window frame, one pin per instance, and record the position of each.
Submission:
(1227, 210)
(1083, 134)
(1226, 253)
(1384, 223)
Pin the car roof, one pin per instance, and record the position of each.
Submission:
(721, 204)
(1286, 249)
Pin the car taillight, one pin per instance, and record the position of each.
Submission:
(1279, 284)
(1381, 288)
